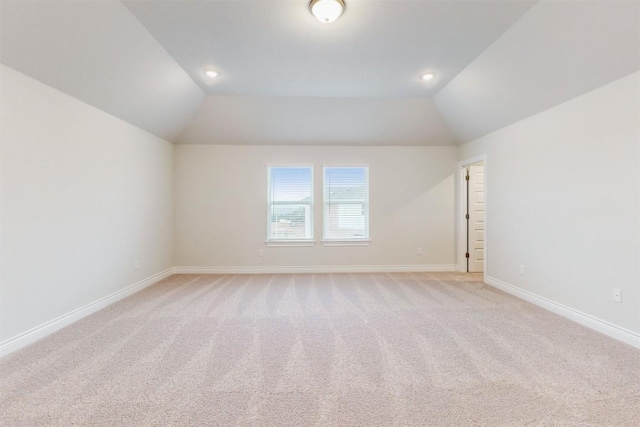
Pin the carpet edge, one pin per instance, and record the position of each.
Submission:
(34, 334)
(614, 331)
(315, 269)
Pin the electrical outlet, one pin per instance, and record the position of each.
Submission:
(135, 265)
(419, 251)
(617, 295)
(260, 252)
(522, 269)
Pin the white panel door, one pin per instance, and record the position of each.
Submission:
(476, 218)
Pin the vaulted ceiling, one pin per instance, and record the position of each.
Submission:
(277, 48)
(288, 79)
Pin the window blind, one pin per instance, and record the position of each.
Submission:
(346, 203)
(290, 202)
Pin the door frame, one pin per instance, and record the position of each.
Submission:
(461, 264)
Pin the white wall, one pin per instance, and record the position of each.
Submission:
(221, 206)
(84, 194)
(563, 200)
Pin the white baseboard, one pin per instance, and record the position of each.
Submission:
(34, 334)
(621, 334)
(41, 331)
(319, 269)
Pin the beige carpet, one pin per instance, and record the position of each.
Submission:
(322, 350)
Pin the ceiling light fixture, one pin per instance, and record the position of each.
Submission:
(212, 73)
(427, 76)
(327, 11)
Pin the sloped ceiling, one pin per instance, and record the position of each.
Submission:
(277, 48)
(278, 120)
(99, 53)
(287, 79)
(555, 52)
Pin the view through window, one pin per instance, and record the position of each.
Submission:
(290, 203)
(346, 203)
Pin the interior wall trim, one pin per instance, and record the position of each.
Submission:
(19, 341)
(32, 335)
(591, 322)
(317, 269)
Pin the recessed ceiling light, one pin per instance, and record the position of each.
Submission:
(427, 76)
(327, 11)
(212, 73)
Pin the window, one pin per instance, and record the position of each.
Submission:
(346, 204)
(290, 201)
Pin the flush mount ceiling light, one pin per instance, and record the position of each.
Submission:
(326, 11)
(212, 73)
(427, 76)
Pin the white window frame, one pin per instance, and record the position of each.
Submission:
(363, 241)
(290, 242)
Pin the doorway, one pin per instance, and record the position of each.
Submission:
(472, 226)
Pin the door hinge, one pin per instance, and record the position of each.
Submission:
(467, 177)
(466, 255)
(466, 216)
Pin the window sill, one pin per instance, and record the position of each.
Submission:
(353, 242)
(290, 242)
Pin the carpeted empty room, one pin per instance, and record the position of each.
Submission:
(319, 213)
(322, 349)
